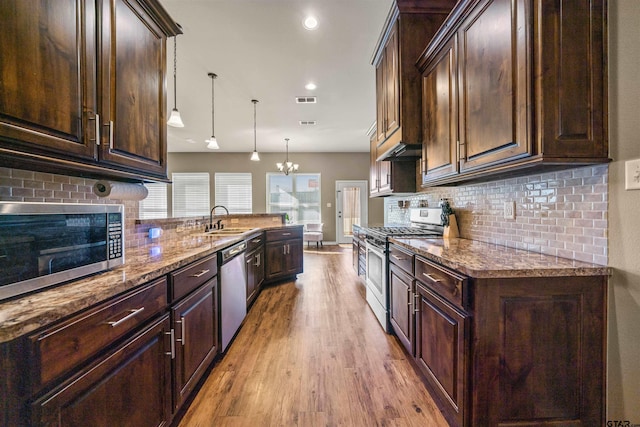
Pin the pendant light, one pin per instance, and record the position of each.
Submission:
(254, 156)
(212, 143)
(174, 119)
(287, 167)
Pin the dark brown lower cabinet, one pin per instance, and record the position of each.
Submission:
(130, 386)
(441, 351)
(195, 331)
(283, 253)
(518, 351)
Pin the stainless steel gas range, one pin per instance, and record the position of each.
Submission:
(425, 222)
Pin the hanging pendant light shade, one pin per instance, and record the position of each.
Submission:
(254, 156)
(287, 167)
(212, 143)
(174, 119)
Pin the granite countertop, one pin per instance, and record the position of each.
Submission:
(487, 260)
(25, 314)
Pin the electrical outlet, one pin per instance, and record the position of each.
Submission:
(632, 174)
(510, 210)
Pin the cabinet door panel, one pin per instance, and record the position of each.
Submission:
(294, 256)
(129, 387)
(401, 307)
(195, 324)
(441, 352)
(275, 263)
(571, 64)
(492, 71)
(392, 84)
(47, 76)
(440, 120)
(134, 134)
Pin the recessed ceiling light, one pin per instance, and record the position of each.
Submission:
(310, 23)
(310, 86)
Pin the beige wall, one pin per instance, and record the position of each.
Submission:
(623, 395)
(331, 166)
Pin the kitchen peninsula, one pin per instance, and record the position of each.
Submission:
(62, 348)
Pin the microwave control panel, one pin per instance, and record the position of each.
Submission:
(115, 235)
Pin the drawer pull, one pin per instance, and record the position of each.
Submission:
(286, 234)
(132, 313)
(200, 273)
(397, 257)
(256, 241)
(432, 278)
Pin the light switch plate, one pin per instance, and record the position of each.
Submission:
(632, 174)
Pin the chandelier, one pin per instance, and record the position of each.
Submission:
(287, 167)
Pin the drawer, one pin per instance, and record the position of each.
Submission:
(284, 234)
(188, 278)
(401, 258)
(446, 283)
(255, 241)
(60, 348)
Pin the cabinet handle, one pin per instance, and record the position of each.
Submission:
(286, 234)
(284, 249)
(409, 296)
(183, 322)
(397, 257)
(111, 134)
(131, 314)
(432, 278)
(256, 241)
(200, 273)
(97, 119)
(257, 264)
(416, 309)
(172, 353)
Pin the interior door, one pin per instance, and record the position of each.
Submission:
(351, 208)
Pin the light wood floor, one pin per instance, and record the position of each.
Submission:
(311, 353)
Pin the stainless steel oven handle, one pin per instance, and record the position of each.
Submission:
(132, 313)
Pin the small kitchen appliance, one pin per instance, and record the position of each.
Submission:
(43, 244)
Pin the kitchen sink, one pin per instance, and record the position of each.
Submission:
(228, 231)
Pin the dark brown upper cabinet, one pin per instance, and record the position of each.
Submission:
(408, 28)
(513, 86)
(82, 87)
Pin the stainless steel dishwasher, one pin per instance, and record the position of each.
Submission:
(233, 291)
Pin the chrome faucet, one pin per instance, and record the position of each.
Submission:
(219, 223)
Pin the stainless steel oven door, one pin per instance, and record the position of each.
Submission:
(376, 279)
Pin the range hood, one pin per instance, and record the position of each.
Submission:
(401, 151)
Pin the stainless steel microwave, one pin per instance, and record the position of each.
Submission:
(43, 244)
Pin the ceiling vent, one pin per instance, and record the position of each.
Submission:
(306, 100)
(307, 122)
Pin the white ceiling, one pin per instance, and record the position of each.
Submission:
(260, 50)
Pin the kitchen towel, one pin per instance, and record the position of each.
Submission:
(120, 190)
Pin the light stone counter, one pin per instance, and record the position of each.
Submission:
(486, 260)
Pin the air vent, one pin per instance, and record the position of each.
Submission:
(306, 100)
(307, 122)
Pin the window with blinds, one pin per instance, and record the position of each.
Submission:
(155, 204)
(233, 191)
(190, 194)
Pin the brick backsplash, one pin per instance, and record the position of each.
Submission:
(18, 185)
(560, 213)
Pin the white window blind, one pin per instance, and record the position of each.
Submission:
(155, 205)
(233, 191)
(190, 194)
